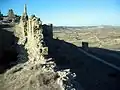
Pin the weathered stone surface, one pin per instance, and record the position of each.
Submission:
(33, 37)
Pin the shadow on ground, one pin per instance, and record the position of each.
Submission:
(8, 45)
(91, 74)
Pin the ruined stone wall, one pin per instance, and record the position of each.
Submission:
(48, 30)
(37, 72)
(33, 38)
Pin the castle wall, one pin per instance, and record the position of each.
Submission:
(48, 30)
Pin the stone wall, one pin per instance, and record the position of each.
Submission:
(37, 72)
(48, 30)
(33, 38)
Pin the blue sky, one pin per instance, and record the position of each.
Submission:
(68, 12)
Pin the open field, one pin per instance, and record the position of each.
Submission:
(103, 36)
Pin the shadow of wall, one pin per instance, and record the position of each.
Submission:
(91, 74)
(8, 45)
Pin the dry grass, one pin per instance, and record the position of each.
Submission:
(27, 79)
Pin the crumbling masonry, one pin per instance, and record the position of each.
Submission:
(33, 37)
